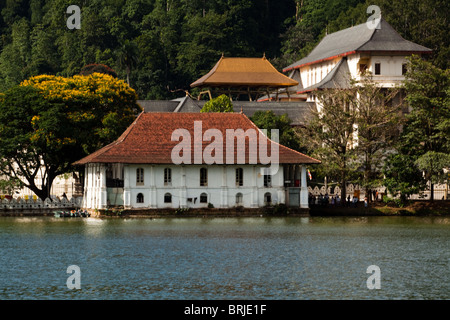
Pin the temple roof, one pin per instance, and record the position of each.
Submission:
(248, 72)
(149, 139)
(360, 38)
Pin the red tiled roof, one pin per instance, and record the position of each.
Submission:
(252, 72)
(148, 139)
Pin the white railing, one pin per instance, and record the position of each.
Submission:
(439, 192)
(18, 204)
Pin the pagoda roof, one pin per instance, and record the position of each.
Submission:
(244, 72)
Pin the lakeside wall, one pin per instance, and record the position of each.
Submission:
(31, 207)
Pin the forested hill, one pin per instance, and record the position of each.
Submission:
(167, 44)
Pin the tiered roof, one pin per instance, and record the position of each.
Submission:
(244, 72)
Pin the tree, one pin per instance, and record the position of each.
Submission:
(127, 56)
(329, 135)
(427, 126)
(97, 67)
(49, 122)
(433, 164)
(402, 176)
(269, 120)
(378, 115)
(220, 104)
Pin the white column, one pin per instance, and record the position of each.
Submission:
(103, 196)
(183, 191)
(303, 190)
(126, 187)
(255, 203)
(153, 203)
(281, 189)
(87, 191)
(224, 189)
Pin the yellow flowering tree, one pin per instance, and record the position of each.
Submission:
(48, 122)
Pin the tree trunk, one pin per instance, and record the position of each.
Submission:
(128, 75)
(343, 189)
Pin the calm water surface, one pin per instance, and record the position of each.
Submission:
(229, 258)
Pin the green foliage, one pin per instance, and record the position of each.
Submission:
(220, 104)
(48, 122)
(328, 137)
(159, 46)
(269, 120)
(433, 164)
(402, 176)
(99, 68)
(423, 146)
(428, 94)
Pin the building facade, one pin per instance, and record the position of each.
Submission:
(349, 54)
(138, 170)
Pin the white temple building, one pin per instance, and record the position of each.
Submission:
(152, 165)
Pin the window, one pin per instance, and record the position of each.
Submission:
(167, 176)
(203, 198)
(203, 177)
(267, 198)
(239, 198)
(239, 177)
(139, 176)
(377, 68)
(140, 198)
(167, 198)
(267, 180)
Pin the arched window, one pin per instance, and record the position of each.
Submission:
(203, 198)
(167, 198)
(140, 198)
(139, 176)
(239, 199)
(267, 198)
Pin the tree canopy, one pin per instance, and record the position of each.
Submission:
(162, 46)
(49, 122)
(220, 104)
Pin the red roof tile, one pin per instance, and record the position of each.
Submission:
(148, 139)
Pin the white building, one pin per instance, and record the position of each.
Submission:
(346, 54)
(142, 170)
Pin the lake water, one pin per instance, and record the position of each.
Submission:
(225, 258)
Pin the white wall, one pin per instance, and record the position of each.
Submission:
(185, 185)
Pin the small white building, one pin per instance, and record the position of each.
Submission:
(194, 160)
